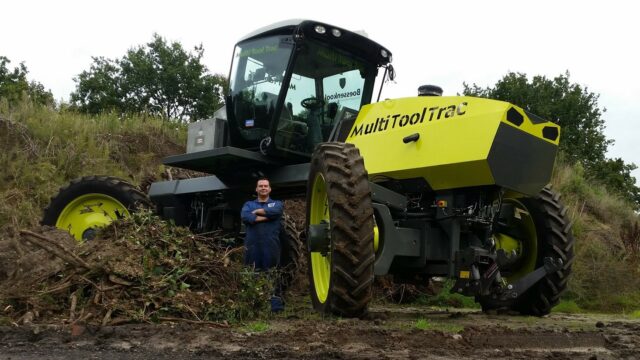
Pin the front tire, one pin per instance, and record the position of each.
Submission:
(91, 202)
(338, 195)
(544, 231)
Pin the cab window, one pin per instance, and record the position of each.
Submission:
(325, 83)
(257, 73)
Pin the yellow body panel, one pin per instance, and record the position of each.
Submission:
(456, 135)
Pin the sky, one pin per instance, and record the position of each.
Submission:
(446, 43)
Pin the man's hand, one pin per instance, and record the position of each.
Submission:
(261, 218)
(259, 212)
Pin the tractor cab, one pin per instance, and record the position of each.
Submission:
(295, 84)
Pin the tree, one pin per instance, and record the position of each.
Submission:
(99, 89)
(159, 78)
(576, 110)
(615, 174)
(569, 105)
(14, 85)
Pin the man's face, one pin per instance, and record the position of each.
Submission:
(263, 188)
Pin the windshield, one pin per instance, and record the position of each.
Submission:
(327, 86)
(256, 76)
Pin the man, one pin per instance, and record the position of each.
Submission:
(262, 218)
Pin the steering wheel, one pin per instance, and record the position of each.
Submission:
(312, 103)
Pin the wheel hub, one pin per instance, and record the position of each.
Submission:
(82, 216)
(89, 234)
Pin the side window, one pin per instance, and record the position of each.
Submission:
(344, 91)
(343, 95)
(255, 80)
(261, 92)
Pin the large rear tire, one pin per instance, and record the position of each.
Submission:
(541, 229)
(338, 195)
(290, 252)
(91, 202)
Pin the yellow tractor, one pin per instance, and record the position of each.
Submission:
(416, 187)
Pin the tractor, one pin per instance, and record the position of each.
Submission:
(417, 187)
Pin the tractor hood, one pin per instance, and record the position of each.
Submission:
(454, 142)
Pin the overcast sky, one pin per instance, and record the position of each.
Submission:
(433, 42)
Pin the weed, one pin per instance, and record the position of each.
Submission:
(257, 327)
(567, 306)
(424, 324)
(444, 298)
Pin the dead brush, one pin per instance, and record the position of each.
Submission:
(140, 269)
(630, 235)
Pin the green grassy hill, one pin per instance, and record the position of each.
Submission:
(42, 149)
(607, 233)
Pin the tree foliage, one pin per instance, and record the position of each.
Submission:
(159, 78)
(615, 174)
(576, 110)
(14, 85)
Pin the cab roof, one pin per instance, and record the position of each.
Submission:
(350, 41)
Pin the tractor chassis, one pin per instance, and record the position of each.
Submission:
(421, 246)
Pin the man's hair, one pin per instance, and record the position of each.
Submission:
(263, 178)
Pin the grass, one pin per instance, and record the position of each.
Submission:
(424, 324)
(299, 306)
(42, 149)
(257, 327)
(567, 306)
(444, 298)
(635, 314)
(606, 270)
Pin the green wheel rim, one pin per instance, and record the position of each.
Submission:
(376, 238)
(320, 263)
(87, 212)
(525, 245)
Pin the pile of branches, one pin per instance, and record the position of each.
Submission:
(139, 269)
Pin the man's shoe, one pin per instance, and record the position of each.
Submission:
(277, 305)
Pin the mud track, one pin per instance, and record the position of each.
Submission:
(388, 333)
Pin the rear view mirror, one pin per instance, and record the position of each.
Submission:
(391, 73)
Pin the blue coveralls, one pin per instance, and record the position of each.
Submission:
(262, 241)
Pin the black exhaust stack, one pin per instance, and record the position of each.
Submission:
(429, 90)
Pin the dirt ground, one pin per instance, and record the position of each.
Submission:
(390, 332)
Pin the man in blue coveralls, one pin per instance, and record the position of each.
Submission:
(262, 218)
